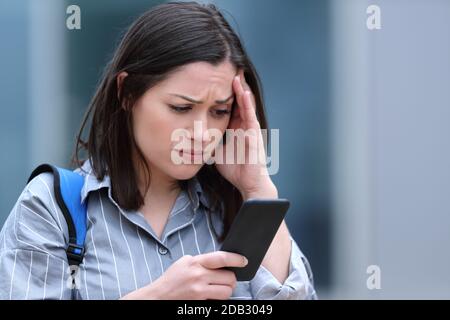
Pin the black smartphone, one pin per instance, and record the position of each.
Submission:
(252, 232)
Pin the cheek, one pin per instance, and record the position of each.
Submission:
(222, 126)
(152, 129)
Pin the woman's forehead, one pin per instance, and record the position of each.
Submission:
(199, 77)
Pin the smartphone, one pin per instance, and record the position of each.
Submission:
(252, 232)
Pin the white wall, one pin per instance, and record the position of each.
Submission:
(392, 148)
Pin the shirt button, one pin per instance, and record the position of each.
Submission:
(162, 250)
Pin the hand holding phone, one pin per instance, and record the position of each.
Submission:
(253, 231)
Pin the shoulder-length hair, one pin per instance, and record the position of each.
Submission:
(160, 41)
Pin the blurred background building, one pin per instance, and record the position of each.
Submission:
(363, 116)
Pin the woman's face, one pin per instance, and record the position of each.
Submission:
(162, 110)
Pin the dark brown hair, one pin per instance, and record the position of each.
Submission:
(163, 39)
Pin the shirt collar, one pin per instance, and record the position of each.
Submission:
(197, 193)
(91, 183)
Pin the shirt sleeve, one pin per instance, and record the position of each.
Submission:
(299, 284)
(33, 262)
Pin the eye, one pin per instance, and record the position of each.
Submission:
(221, 112)
(180, 109)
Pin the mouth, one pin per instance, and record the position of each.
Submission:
(190, 152)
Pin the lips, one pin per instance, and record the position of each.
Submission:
(191, 152)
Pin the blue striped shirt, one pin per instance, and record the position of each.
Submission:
(122, 251)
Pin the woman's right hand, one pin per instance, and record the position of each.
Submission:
(195, 278)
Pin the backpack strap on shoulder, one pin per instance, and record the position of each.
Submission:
(67, 190)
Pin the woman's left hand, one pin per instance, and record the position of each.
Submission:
(251, 179)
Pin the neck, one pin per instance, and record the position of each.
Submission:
(161, 186)
(158, 199)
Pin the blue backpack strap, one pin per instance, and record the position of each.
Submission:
(67, 189)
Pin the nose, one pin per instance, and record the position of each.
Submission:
(201, 133)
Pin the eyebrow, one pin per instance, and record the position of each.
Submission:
(199, 102)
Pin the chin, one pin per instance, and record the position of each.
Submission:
(185, 171)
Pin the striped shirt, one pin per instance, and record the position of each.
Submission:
(122, 251)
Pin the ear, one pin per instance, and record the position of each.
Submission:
(120, 77)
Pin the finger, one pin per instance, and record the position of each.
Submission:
(237, 90)
(242, 80)
(239, 93)
(221, 259)
(222, 277)
(245, 86)
(218, 292)
(236, 113)
(250, 111)
(247, 106)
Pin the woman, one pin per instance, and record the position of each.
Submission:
(154, 226)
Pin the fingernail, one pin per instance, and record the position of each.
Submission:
(245, 261)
